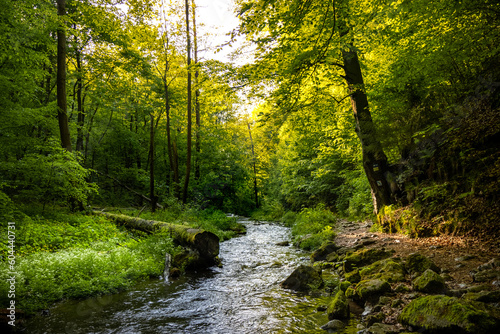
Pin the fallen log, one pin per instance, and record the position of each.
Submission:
(206, 243)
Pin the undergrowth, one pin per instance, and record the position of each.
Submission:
(311, 227)
(210, 220)
(62, 256)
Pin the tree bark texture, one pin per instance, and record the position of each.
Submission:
(374, 158)
(62, 114)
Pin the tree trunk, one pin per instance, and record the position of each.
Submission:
(206, 243)
(374, 158)
(152, 162)
(189, 125)
(177, 183)
(62, 114)
(79, 99)
(255, 189)
(197, 98)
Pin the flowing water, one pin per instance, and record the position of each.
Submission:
(242, 297)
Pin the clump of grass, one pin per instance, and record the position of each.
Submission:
(311, 227)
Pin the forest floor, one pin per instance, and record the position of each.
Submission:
(456, 255)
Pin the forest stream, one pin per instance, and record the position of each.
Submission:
(243, 296)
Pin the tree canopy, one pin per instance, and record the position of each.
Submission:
(357, 105)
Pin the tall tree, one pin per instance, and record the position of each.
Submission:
(254, 165)
(197, 96)
(189, 121)
(62, 114)
(303, 49)
(152, 194)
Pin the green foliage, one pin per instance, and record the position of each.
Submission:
(74, 256)
(313, 227)
(289, 218)
(43, 278)
(54, 176)
(354, 196)
(58, 231)
(211, 220)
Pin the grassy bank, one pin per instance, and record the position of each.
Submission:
(311, 227)
(66, 255)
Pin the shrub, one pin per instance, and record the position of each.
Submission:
(315, 223)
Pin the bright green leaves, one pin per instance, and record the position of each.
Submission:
(50, 176)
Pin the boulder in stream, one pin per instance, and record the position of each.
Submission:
(333, 325)
(304, 278)
(338, 307)
(321, 253)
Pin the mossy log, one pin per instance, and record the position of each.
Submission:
(206, 243)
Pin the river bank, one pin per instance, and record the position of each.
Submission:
(394, 283)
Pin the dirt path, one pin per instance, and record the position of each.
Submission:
(457, 256)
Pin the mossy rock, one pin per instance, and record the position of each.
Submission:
(353, 276)
(364, 257)
(331, 283)
(483, 296)
(390, 270)
(344, 285)
(304, 278)
(350, 292)
(417, 264)
(379, 328)
(429, 282)
(370, 290)
(332, 257)
(322, 252)
(338, 307)
(449, 315)
(487, 275)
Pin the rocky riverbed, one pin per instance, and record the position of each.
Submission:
(396, 284)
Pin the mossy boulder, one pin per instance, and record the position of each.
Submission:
(322, 252)
(483, 296)
(338, 307)
(364, 257)
(369, 290)
(390, 270)
(429, 282)
(417, 264)
(449, 315)
(304, 278)
(353, 276)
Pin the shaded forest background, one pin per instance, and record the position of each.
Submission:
(431, 74)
